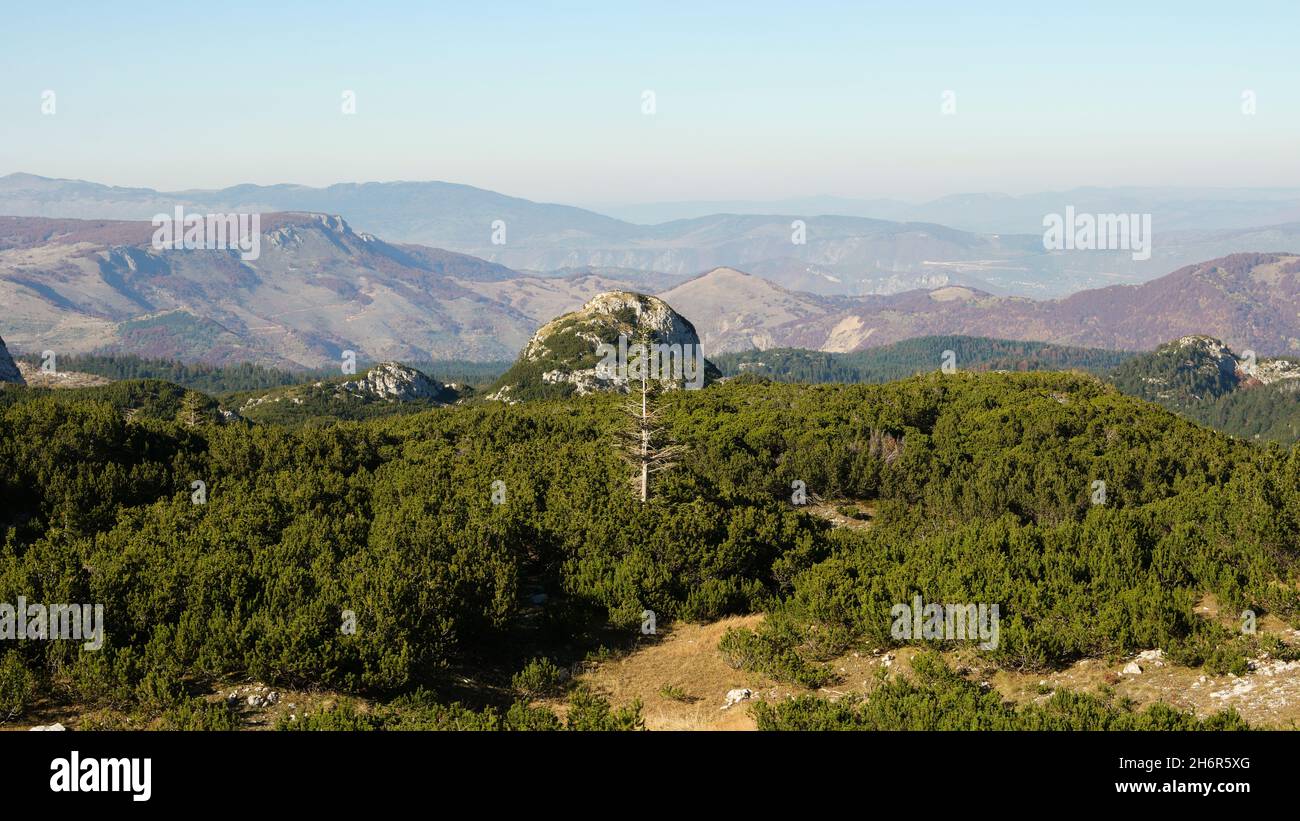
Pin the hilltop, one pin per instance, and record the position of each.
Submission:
(1202, 378)
(564, 356)
(384, 389)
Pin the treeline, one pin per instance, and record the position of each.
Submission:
(1188, 381)
(433, 531)
(1267, 412)
(220, 380)
(211, 379)
(914, 356)
(462, 371)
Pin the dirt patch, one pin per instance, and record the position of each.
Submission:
(687, 660)
(834, 512)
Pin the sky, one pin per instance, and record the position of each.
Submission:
(751, 100)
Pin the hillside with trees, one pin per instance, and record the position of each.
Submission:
(1204, 380)
(481, 536)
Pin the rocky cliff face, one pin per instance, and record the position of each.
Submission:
(8, 370)
(595, 348)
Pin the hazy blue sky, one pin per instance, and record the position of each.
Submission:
(754, 100)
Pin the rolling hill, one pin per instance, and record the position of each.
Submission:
(1250, 301)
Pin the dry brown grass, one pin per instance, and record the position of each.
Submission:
(688, 657)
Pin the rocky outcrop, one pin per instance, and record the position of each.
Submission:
(392, 382)
(387, 382)
(9, 373)
(1198, 368)
(595, 348)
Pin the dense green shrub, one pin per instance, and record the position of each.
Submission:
(981, 486)
(418, 711)
(936, 698)
(539, 678)
(17, 686)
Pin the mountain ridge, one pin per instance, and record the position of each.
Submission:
(1248, 300)
(836, 254)
(321, 288)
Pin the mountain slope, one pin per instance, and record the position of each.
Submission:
(318, 289)
(1251, 301)
(734, 311)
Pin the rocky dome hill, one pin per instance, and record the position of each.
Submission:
(562, 357)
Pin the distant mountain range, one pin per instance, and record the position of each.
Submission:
(1178, 209)
(320, 289)
(851, 254)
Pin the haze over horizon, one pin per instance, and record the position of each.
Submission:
(550, 104)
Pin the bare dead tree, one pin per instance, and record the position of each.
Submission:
(643, 441)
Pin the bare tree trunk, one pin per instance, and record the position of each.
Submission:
(642, 442)
(645, 443)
